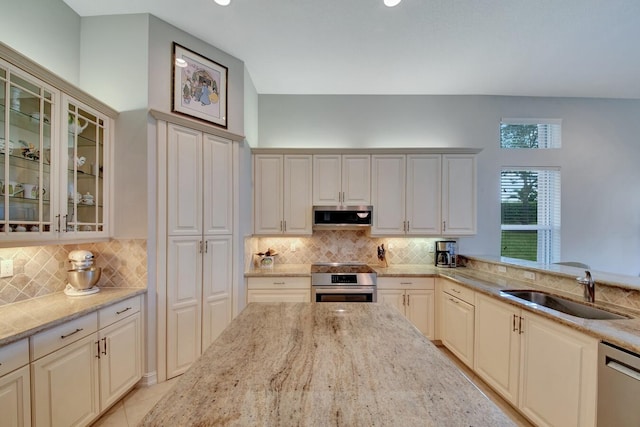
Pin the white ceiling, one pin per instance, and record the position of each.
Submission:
(582, 48)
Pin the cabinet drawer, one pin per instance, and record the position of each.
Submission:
(406, 283)
(120, 310)
(458, 291)
(14, 355)
(57, 337)
(279, 283)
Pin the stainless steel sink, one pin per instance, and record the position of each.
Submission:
(563, 305)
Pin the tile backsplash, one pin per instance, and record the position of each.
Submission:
(341, 246)
(42, 270)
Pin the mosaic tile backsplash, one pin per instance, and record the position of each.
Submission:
(341, 246)
(42, 270)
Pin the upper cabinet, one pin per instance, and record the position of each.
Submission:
(282, 194)
(423, 194)
(54, 162)
(341, 179)
(459, 194)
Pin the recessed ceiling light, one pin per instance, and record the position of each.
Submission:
(223, 2)
(181, 63)
(391, 3)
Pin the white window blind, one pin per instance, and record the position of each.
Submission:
(530, 212)
(530, 133)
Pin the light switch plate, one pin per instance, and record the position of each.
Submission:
(6, 268)
(530, 275)
(502, 269)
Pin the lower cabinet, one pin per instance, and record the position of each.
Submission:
(545, 369)
(82, 367)
(412, 296)
(457, 315)
(278, 289)
(15, 388)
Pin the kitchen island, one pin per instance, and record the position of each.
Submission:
(283, 364)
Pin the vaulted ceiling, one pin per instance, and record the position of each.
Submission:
(581, 48)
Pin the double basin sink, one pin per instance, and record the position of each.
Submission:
(563, 305)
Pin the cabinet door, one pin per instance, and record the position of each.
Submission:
(216, 291)
(558, 374)
(86, 158)
(297, 194)
(497, 346)
(424, 184)
(120, 359)
(15, 398)
(327, 179)
(388, 194)
(29, 136)
(184, 302)
(278, 295)
(267, 192)
(65, 385)
(420, 310)
(459, 194)
(184, 181)
(218, 185)
(356, 179)
(457, 328)
(393, 297)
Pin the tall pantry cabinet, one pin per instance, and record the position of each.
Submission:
(195, 215)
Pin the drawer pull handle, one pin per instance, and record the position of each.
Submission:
(406, 283)
(278, 283)
(453, 300)
(72, 333)
(455, 290)
(122, 311)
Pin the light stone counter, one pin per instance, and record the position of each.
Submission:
(329, 364)
(290, 270)
(25, 318)
(406, 270)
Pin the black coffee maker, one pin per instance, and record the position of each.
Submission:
(446, 253)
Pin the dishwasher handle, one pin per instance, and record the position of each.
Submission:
(623, 368)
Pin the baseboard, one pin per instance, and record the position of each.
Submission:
(148, 379)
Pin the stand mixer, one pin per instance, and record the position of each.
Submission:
(83, 275)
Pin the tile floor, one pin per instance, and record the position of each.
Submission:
(133, 407)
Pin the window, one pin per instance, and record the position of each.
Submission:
(530, 133)
(530, 212)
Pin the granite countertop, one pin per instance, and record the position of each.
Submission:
(25, 318)
(622, 332)
(291, 270)
(326, 364)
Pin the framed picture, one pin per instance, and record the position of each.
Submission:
(199, 86)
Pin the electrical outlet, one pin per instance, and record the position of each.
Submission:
(292, 247)
(430, 247)
(502, 269)
(530, 275)
(6, 268)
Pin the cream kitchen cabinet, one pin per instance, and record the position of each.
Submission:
(55, 159)
(412, 296)
(545, 369)
(278, 289)
(406, 194)
(457, 329)
(199, 256)
(79, 370)
(341, 179)
(282, 194)
(15, 384)
(459, 195)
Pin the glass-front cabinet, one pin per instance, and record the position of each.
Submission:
(86, 133)
(53, 156)
(27, 155)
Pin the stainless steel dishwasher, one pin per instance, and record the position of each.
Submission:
(618, 387)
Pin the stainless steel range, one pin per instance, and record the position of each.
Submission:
(343, 282)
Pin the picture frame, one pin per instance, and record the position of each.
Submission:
(199, 86)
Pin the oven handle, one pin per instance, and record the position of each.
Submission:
(333, 290)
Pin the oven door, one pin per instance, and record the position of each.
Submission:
(343, 294)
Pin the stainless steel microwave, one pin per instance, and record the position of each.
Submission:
(342, 216)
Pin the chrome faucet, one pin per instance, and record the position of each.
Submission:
(589, 286)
